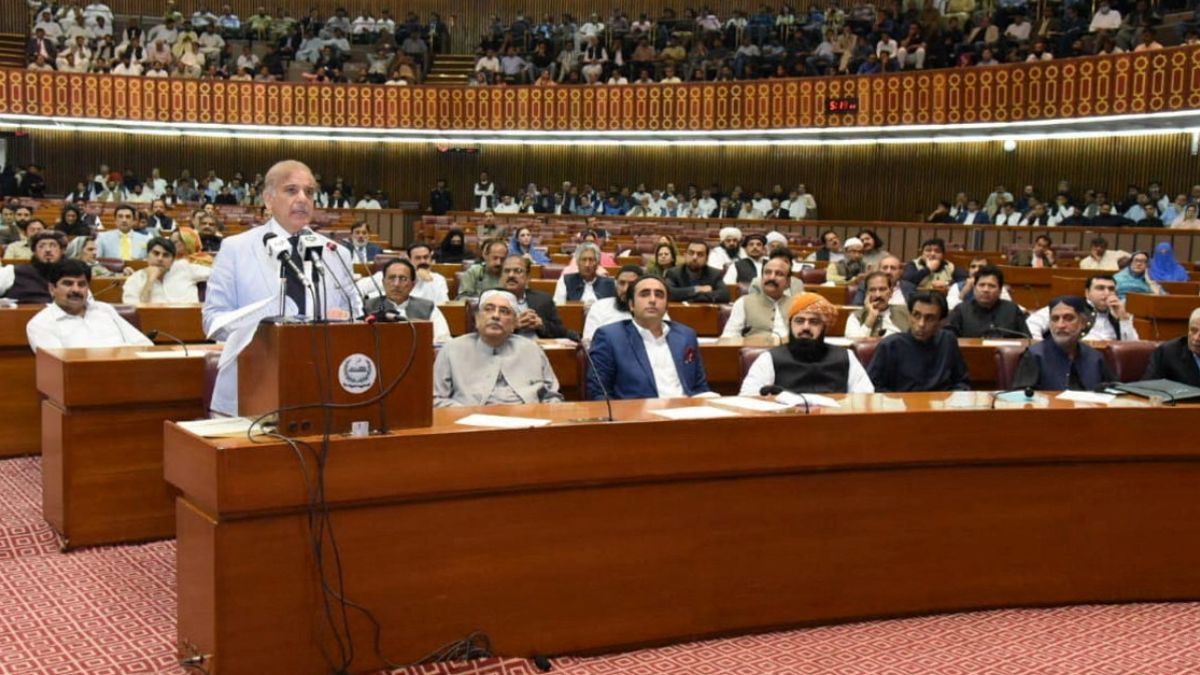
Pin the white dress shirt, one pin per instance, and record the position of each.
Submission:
(98, 326)
(718, 258)
(589, 291)
(666, 377)
(1039, 322)
(762, 374)
(178, 285)
(856, 329)
(731, 271)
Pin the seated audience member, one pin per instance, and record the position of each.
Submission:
(830, 251)
(1041, 255)
(484, 275)
(123, 243)
(901, 290)
(986, 314)
(932, 271)
(878, 317)
(1101, 258)
(1164, 266)
(399, 304)
(728, 250)
(1178, 359)
(850, 270)
(926, 358)
(805, 363)
(1111, 322)
(873, 249)
(72, 223)
(1062, 361)
(666, 258)
(164, 279)
(210, 236)
(695, 281)
(963, 290)
(490, 228)
(22, 249)
(611, 310)
(764, 313)
(646, 356)
(72, 320)
(30, 283)
(522, 244)
(537, 316)
(453, 247)
(430, 285)
(748, 268)
(84, 248)
(492, 366)
(359, 244)
(1135, 278)
(585, 285)
(972, 215)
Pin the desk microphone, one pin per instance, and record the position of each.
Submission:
(775, 390)
(279, 249)
(1027, 391)
(593, 374)
(1005, 331)
(155, 333)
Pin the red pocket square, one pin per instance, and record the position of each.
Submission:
(689, 356)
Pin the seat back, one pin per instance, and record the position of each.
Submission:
(129, 313)
(212, 361)
(814, 276)
(1007, 359)
(472, 306)
(1128, 359)
(864, 350)
(746, 357)
(582, 366)
(723, 313)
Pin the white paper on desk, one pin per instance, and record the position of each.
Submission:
(755, 404)
(501, 421)
(165, 354)
(708, 340)
(242, 328)
(1003, 343)
(217, 426)
(1086, 397)
(699, 412)
(839, 341)
(788, 398)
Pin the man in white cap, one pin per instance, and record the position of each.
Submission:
(492, 366)
(729, 250)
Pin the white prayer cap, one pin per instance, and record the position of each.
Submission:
(852, 242)
(774, 237)
(727, 232)
(502, 295)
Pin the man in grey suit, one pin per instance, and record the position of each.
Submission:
(492, 366)
(399, 304)
(537, 317)
(122, 243)
(246, 273)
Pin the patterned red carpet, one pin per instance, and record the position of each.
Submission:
(112, 611)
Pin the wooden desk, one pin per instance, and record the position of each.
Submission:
(704, 319)
(19, 403)
(102, 440)
(1161, 317)
(182, 321)
(648, 531)
(108, 289)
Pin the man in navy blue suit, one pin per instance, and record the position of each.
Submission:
(646, 357)
(361, 248)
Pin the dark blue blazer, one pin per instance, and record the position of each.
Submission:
(372, 251)
(604, 287)
(623, 367)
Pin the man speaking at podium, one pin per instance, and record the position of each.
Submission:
(245, 283)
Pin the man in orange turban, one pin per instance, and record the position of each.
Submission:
(805, 363)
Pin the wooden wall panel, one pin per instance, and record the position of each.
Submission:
(1144, 82)
(859, 182)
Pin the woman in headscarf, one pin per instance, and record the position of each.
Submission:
(1164, 266)
(189, 246)
(84, 249)
(71, 223)
(453, 248)
(522, 244)
(1135, 278)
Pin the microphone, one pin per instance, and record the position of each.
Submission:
(155, 333)
(1005, 331)
(1027, 391)
(281, 251)
(333, 248)
(775, 390)
(592, 374)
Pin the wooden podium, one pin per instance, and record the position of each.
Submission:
(102, 439)
(19, 404)
(295, 368)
